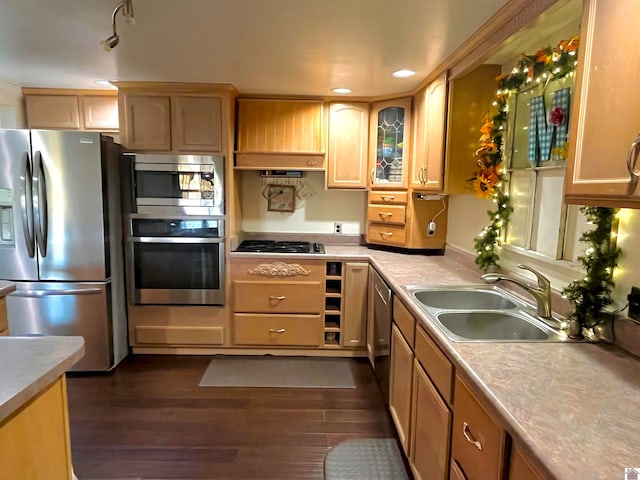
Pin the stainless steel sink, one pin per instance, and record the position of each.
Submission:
(486, 299)
(492, 326)
(481, 313)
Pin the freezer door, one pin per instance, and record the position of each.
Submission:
(17, 258)
(69, 218)
(66, 309)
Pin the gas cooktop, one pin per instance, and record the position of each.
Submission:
(270, 246)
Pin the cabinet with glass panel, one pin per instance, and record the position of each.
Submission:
(389, 149)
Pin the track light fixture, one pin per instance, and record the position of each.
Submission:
(127, 12)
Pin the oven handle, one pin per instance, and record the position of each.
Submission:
(175, 240)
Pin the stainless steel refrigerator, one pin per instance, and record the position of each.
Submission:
(61, 240)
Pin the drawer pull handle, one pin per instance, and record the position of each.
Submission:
(312, 162)
(385, 215)
(386, 234)
(279, 297)
(277, 330)
(387, 198)
(469, 436)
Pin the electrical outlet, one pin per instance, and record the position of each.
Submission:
(337, 227)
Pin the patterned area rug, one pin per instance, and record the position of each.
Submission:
(365, 459)
(283, 372)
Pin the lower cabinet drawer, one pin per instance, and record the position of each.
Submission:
(387, 234)
(278, 297)
(170, 335)
(394, 214)
(477, 442)
(284, 330)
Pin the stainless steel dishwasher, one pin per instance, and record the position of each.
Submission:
(379, 329)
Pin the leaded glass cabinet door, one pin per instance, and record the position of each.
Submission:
(390, 144)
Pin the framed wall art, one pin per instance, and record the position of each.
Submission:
(281, 198)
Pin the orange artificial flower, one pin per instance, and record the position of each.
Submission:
(485, 182)
(570, 45)
(543, 56)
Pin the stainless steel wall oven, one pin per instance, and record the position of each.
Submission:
(176, 261)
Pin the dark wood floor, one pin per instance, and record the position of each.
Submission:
(149, 419)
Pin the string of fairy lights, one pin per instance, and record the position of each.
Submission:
(490, 181)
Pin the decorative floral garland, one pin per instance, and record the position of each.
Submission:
(490, 181)
(591, 294)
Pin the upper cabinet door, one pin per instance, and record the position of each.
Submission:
(197, 124)
(430, 108)
(99, 112)
(52, 111)
(604, 145)
(146, 122)
(390, 144)
(279, 126)
(348, 145)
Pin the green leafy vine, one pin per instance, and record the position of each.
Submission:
(592, 293)
(491, 179)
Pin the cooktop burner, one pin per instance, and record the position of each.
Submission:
(271, 246)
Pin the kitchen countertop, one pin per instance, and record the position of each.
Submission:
(30, 364)
(573, 407)
(6, 288)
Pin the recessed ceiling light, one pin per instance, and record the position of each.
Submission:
(403, 73)
(341, 90)
(103, 83)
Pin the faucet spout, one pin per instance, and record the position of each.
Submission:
(541, 293)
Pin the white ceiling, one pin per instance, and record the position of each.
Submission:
(301, 47)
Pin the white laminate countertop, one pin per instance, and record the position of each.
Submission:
(30, 364)
(6, 288)
(573, 407)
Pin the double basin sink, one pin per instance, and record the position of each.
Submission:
(480, 313)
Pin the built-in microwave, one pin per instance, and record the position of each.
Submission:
(177, 184)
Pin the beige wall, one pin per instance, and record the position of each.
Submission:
(315, 214)
(11, 97)
(628, 273)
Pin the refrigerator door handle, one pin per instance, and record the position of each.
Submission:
(40, 204)
(48, 293)
(26, 206)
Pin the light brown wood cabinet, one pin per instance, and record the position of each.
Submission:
(390, 144)
(177, 118)
(71, 109)
(197, 123)
(53, 111)
(353, 327)
(278, 302)
(99, 112)
(402, 219)
(521, 467)
(34, 442)
(4, 324)
(419, 396)
(146, 122)
(478, 444)
(347, 152)
(400, 383)
(429, 120)
(604, 140)
(173, 123)
(431, 424)
(280, 134)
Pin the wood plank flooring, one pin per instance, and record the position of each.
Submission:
(149, 420)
